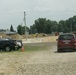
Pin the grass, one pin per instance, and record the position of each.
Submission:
(30, 48)
(34, 48)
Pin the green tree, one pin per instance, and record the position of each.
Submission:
(21, 29)
(54, 26)
(11, 29)
(49, 27)
(40, 25)
(74, 23)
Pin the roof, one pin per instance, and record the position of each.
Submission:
(10, 33)
(67, 34)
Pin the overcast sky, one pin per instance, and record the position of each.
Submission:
(12, 11)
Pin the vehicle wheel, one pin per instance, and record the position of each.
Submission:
(7, 49)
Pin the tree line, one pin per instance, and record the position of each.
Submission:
(47, 26)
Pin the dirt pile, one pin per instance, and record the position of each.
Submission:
(31, 38)
(14, 36)
(3, 35)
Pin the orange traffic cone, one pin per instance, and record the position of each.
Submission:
(22, 49)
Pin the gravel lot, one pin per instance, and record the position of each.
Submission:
(44, 62)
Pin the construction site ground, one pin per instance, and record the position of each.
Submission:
(45, 61)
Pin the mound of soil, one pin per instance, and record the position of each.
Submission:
(14, 36)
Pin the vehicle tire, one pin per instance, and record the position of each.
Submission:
(7, 48)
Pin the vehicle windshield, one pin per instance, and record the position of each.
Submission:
(66, 37)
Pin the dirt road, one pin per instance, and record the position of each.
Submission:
(45, 62)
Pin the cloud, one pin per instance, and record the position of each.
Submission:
(12, 11)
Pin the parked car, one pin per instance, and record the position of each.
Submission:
(18, 42)
(8, 44)
(66, 41)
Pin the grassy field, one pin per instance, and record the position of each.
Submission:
(35, 47)
(30, 47)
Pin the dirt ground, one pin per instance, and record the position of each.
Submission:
(44, 62)
(40, 39)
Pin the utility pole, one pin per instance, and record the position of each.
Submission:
(25, 25)
(25, 22)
